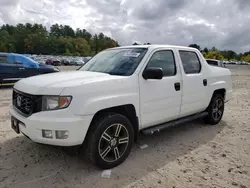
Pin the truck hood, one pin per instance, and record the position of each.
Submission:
(54, 83)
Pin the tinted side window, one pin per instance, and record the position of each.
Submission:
(165, 60)
(212, 62)
(190, 61)
(25, 61)
(3, 59)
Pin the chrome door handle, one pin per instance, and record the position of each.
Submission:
(21, 68)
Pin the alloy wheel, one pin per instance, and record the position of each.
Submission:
(113, 142)
(217, 109)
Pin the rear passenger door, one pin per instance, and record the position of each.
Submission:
(8, 70)
(160, 100)
(194, 97)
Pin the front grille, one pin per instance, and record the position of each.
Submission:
(25, 103)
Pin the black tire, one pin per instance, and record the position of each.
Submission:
(103, 137)
(215, 110)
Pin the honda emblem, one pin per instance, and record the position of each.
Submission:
(19, 101)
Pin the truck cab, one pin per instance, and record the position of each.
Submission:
(121, 92)
(14, 67)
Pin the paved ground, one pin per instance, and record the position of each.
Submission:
(192, 155)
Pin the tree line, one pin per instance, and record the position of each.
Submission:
(58, 40)
(228, 55)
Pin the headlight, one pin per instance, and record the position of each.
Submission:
(55, 102)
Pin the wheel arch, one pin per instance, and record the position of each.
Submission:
(128, 110)
(221, 91)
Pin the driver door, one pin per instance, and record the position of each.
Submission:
(160, 100)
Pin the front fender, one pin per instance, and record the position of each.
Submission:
(93, 105)
(216, 86)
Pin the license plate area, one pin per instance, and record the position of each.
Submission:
(15, 123)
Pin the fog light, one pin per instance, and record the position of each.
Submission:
(62, 134)
(47, 133)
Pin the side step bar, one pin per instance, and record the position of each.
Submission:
(158, 128)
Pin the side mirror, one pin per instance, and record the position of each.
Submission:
(153, 73)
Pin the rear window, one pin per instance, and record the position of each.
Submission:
(190, 61)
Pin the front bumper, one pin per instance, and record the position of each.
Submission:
(63, 120)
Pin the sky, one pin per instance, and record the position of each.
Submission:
(224, 24)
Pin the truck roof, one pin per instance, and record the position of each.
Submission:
(154, 46)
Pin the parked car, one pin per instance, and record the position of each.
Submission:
(86, 59)
(72, 62)
(14, 67)
(65, 62)
(78, 61)
(117, 94)
(215, 62)
(54, 62)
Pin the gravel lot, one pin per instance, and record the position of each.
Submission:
(191, 155)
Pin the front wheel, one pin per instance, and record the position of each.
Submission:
(215, 110)
(110, 140)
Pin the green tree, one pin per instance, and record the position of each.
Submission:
(195, 46)
(246, 58)
(81, 46)
(214, 49)
(214, 55)
(229, 54)
(67, 52)
(205, 50)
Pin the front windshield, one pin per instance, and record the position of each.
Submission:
(119, 61)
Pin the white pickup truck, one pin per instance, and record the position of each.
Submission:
(120, 92)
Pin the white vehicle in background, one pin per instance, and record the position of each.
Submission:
(118, 93)
(79, 61)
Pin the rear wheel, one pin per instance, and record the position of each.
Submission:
(215, 110)
(110, 140)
